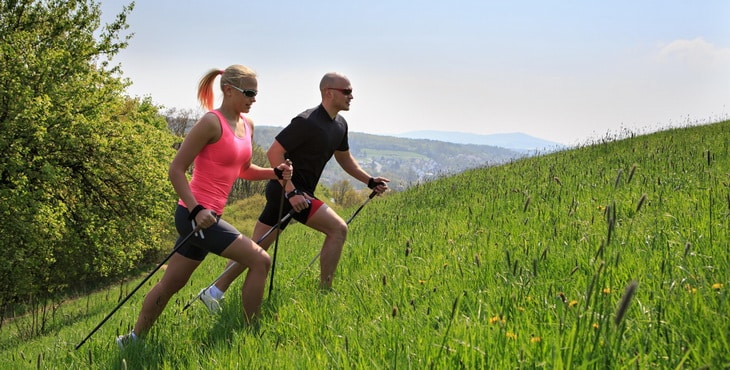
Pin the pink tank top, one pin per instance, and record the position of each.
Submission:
(218, 165)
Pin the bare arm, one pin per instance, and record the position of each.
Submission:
(205, 131)
(252, 172)
(276, 156)
(350, 165)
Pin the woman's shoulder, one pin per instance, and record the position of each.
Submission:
(248, 120)
(210, 117)
(208, 125)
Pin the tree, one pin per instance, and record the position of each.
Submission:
(344, 194)
(179, 121)
(242, 188)
(83, 171)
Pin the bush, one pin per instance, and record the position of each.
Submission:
(83, 174)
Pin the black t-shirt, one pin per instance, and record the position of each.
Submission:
(310, 140)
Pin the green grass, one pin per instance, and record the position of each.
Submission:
(518, 266)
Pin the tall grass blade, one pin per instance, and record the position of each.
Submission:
(631, 173)
(623, 305)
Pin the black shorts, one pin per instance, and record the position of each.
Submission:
(216, 238)
(270, 215)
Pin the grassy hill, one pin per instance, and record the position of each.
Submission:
(611, 255)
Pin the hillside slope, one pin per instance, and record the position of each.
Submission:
(611, 255)
(607, 255)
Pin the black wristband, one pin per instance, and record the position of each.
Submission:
(372, 184)
(195, 211)
(279, 173)
(293, 193)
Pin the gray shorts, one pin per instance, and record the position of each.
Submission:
(217, 237)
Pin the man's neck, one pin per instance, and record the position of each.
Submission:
(330, 110)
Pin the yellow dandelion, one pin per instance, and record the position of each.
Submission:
(493, 320)
(511, 335)
(595, 325)
(422, 281)
(572, 303)
(601, 208)
(717, 286)
(535, 340)
(521, 309)
(606, 290)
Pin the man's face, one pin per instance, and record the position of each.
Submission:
(341, 94)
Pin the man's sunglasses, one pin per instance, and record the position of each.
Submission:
(343, 91)
(247, 92)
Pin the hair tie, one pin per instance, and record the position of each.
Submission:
(222, 71)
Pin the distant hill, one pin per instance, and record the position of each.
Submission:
(515, 141)
(405, 161)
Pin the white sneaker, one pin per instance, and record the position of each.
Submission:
(213, 305)
(125, 340)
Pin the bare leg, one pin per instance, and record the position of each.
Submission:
(229, 277)
(176, 276)
(248, 254)
(328, 222)
(324, 220)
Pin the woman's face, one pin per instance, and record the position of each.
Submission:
(244, 95)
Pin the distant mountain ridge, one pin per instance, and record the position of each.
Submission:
(515, 140)
(405, 161)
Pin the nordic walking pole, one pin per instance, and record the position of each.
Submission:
(370, 197)
(180, 244)
(190, 302)
(276, 243)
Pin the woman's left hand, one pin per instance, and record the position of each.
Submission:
(286, 169)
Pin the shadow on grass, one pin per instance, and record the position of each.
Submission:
(142, 354)
(231, 321)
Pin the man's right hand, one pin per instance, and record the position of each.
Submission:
(299, 200)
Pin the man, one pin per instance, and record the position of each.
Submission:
(309, 141)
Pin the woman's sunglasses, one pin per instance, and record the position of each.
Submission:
(248, 93)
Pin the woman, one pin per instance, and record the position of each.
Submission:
(220, 146)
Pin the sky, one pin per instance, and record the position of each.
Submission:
(564, 71)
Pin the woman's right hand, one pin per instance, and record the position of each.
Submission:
(206, 218)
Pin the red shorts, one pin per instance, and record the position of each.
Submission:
(270, 215)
